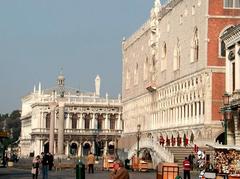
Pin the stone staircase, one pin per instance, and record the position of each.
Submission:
(180, 153)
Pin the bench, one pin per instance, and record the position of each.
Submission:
(60, 166)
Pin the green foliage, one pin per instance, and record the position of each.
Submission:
(12, 124)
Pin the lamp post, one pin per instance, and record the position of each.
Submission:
(226, 114)
(138, 138)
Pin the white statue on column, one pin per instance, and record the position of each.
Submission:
(97, 85)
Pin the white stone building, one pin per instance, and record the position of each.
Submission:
(68, 122)
(231, 39)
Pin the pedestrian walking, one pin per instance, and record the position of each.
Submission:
(45, 161)
(186, 168)
(119, 172)
(191, 158)
(90, 162)
(51, 161)
(35, 167)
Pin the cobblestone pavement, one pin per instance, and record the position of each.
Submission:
(13, 173)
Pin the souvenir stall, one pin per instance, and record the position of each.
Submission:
(226, 161)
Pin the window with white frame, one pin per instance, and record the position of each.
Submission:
(231, 3)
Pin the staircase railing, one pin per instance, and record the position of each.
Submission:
(158, 152)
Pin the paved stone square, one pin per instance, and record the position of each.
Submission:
(14, 173)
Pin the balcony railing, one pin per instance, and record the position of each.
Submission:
(80, 131)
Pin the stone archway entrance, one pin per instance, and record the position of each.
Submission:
(73, 149)
(86, 148)
(220, 138)
(46, 147)
(111, 148)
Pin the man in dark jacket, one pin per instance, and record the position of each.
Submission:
(119, 172)
(45, 162)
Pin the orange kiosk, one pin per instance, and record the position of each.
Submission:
(108, 162)
(167, 171)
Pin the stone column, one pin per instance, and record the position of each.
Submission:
(227, 73)
(80, 149)
(93, 121)
(41, 145)
(61, 128)
(80, 119)
(52, 127)
(67, 148)
(105, 148)
(106, 122)
(68, 121)
(237, 67)
(197, 115)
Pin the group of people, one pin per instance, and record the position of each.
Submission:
(47, 162)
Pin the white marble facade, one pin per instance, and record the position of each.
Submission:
(89, 120)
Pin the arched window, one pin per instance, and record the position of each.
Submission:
(145, 69)
(176, 56)
(112, 122)
(222, 47)
(164, 57)
(195, 46)
(74, 121)
(87, 121)
(99, 122)
(48, 118)
(136, 75)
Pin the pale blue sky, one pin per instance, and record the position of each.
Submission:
(37, 38)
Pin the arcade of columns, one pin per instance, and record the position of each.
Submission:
(81, 126)
(178, 109)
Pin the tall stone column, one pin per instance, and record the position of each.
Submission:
(52, 127)
(61, 128)
(67, 148)
(237, 67)
(118, 122)
(93, 121)
(80, 150)
(105, 148)
(106, 122)
(227, 73)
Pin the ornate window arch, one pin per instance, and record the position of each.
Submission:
(176, 56)
(221, 44)
(195, 46)
(164, 57)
